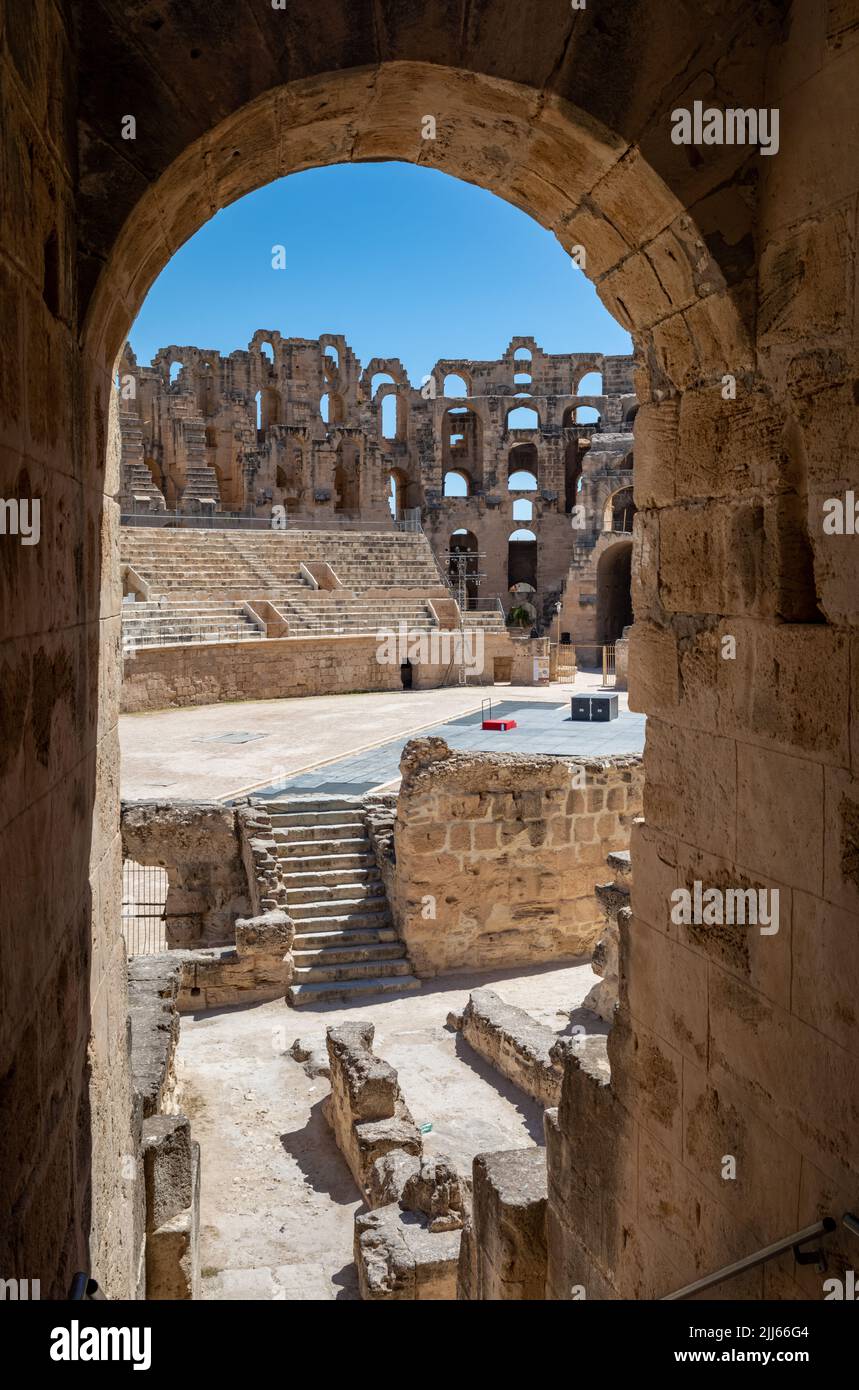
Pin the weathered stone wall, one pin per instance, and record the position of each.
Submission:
(205, 673)
(503, 1249)
(516, 1044)
(198, 844)
(496, 854)
(721, 263)
(166, 1160)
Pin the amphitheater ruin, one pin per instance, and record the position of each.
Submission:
(414, 1018)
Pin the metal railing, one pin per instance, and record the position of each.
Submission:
(248, 521)
(767, 1252)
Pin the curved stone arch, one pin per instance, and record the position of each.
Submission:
(609, 502)
(559, 154)
(387, 366)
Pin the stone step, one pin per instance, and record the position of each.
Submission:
(355, 970)
(349, 891)
(318, 864)
(348, 936)
(327, 820)
(300, 806)
(362, 911)
(341, 992)
(620, 862)
(330, 878)
(314, 958)
(309, 830)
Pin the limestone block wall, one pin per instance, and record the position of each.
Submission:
(205, 673)
(719, 262)
(496, 854)
(207, 878)
(516, 1044)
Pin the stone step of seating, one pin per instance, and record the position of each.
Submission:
(344, 818)
(331, 878)
(317, 840)
(300, 806)
(333, 892)
(334, 832)
(300, 994)
(352, 970)
(329, 935)
(335, 895)
(319, 958)
(310, 866)
(359, 911)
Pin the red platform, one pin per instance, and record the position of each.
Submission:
(501, 724)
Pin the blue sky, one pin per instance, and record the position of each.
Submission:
(406, 262)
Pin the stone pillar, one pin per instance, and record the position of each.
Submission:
(503, 1253)
(171, 1166)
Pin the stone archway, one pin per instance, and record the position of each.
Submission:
(725, 496)
(614, 594)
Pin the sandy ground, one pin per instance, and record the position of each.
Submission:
(179, 752)
(277, 1199)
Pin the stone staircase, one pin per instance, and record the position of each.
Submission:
(345, 942)
(267, 564)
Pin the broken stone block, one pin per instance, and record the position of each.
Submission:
(434, 1190)
(503, 1256)
(365, 1108)
(399, 1258)
(515, 1043)
(171, 1168)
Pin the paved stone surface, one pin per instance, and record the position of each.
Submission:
(277, 1198)
(540, 728)
(221, 751)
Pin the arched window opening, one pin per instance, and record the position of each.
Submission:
(397, 487)
(456, 483)
(522, 354)
(175, 369)
(325, 408)
(347, 480)
(587, 415)
(380, 379)
(267, 351)
(619, 511)
(269, 413)
(522, 481)
(522, 379)
(590, 384)
(523, 510)
(522, 558)
(614, 593)
(455, 385)
(573, 457)
(463, 543)
(389, 417)
(258, 404)
(523, 418)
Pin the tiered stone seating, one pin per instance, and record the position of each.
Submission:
(171, 622)
(197, 578)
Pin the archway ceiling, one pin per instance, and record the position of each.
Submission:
(230, 94)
